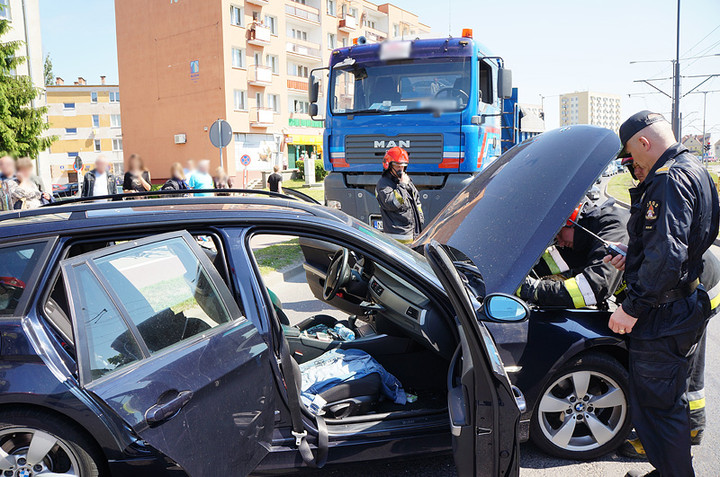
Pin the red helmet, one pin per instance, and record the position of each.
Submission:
(397, 155)
(573, 217)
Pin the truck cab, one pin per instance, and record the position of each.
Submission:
(440, 99)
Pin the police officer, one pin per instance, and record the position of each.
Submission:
(578, 258)
(673, 221)
(402, 214)
(710, 279)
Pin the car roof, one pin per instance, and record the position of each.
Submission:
(126, 214)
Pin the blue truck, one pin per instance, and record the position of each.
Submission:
(440, 99)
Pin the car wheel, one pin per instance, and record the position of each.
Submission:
(36, 443)
(583, 412)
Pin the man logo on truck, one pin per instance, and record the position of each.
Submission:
(390, 144)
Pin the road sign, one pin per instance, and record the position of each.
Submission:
(78, 164)
(245, 160)
(220, 133)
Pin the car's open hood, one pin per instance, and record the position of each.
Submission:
(506, 217)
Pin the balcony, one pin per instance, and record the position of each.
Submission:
(348, 24)
(374, 36)
(259, 3)
(261, 117)
(258, 35)
(260, 75)
(304, 49)
(297, 83)
(304, 12)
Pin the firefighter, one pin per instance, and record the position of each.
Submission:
(674, 219)
(402, 214)
(577, 257)
(710, 278)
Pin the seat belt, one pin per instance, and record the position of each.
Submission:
(298, 428)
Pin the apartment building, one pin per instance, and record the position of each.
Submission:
(587, 107)
(183, 64)
(86, 119)
(24, 19)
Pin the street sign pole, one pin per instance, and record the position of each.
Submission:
(220, 136)
(219, 139)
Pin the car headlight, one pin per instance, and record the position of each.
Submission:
(334, 204)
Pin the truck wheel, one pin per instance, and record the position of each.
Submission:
(39, 443)
(583, 412)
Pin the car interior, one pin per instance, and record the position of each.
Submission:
(392, 321)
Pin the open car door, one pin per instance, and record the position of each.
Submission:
(484, 415)
(163, 344)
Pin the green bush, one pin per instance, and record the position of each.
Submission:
(320, 171)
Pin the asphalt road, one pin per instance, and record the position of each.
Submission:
(299, 303)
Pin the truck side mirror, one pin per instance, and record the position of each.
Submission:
(505, 83)
(314, 110)
(313, 89)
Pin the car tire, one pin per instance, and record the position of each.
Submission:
(566, 425)
(70, 452)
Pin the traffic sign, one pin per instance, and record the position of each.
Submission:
(78, 164)
(220, 133)
(245, 160)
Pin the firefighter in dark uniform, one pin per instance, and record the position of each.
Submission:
(572, 272)
(710, 279)
(674, 219)
(402, 215)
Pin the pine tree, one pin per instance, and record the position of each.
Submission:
(48, 71)
(21, 125)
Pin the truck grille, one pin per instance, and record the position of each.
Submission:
(370, 148)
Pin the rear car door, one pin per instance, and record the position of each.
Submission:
(163, 344)
(484, 416)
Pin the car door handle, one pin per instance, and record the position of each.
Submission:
(168, 408)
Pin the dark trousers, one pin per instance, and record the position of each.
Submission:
(659, 376)
(696, 387)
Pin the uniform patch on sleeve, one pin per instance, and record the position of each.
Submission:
(652, 210)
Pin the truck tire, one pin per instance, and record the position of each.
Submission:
(583, 410)
(43, 442)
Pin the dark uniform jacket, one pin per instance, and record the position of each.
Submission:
(673, 220)
(588, 280)
(89, 184)
(402, 214)
(710, 278)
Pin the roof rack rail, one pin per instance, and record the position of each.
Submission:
(287, 194)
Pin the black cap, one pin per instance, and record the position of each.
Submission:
(633, 125)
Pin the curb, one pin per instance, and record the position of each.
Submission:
(627, 206)
(274, 277)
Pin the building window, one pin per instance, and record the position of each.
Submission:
(238, 58)
(98, 146)
(331, 10)
(70, 131)
(69, 106)
(93, 96)
(236, 15)
(274, 102)
(239, 100)
(301, 2)
(114, 96)
(258, 59)
(298, 70)
(299, 106)
(396, 30)
(271, 23)
(96, 120)
(331, 41)
(298, 34)
(117, 145)
(343, 42)
(4, 9)
(369, 23)
(273, 62)
(258, 100)
(115, 121)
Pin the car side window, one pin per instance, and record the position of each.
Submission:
(110, 343)
(165, 290)
(16, 265)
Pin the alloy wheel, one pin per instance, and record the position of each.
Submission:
(27, 452)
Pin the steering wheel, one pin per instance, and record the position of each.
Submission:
(454, 93)
(338, 274)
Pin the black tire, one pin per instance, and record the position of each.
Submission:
(90, 461)
(619, 421)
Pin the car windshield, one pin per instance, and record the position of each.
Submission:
(401, 86)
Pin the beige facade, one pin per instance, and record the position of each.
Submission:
(186, 63)
(587, 107)
(86, 119)
(24, 18)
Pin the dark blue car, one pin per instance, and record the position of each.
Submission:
(144, 337)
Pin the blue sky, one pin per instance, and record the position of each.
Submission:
(552, 46)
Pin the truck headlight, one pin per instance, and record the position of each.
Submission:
(334, 204)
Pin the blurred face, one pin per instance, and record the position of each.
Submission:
(398, 169)
(101, 165)
(7, 166)
(640, 172)
(24, 173)
(204, 166)
(565, 237)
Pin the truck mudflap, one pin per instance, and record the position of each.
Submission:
(359, 200)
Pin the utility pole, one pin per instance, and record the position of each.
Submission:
(676, 83)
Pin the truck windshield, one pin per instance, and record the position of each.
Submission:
(401, 86)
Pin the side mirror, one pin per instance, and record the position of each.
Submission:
(314, 110)
(313, 89)
(505, 308)
(504, 83)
